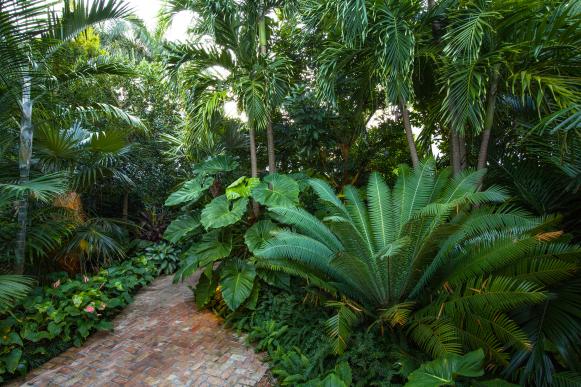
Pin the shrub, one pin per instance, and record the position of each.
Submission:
(433, 259)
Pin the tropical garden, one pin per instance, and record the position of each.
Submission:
(375, 192)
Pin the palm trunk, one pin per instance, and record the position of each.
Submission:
(489, 118)
(253, 166)
(25, 155)
(409, 134)
(125, 206)
(455, 145)
(462, 149)
(269, 132)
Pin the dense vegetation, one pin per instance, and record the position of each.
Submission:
(379, 192)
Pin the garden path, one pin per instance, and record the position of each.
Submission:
(158, 340)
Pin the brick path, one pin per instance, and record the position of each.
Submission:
(158, 340)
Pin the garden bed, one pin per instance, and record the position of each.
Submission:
(54, 318)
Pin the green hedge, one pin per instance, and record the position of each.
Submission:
(52, 318)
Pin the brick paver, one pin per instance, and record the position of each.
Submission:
(158, 340)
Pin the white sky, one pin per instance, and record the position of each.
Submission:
(148, 10)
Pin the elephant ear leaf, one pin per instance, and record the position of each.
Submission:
(213, 246)
(241, 188)
(237, 281)
(277, 191)
(217, 164)
(181, 228)
(443, 371)
(204, 290)
(221, 212)
(259, 233)
(191, 191)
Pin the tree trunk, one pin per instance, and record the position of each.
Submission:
(489, 118)
(409, 134)
(125, 206)
(25, 155)
(455, 145)
(253, 166)
(269, 132)
(436, 25)
(462, 149)
(345, 148)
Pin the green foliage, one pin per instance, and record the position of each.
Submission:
(164, 257)
(419, 259)
(191, 191)
(182, 227)
(241, 188)
(221, 212)
(68, 311)
(277, 191)
(444, 371)
(237, 281)
(13, 288)
(258, 234)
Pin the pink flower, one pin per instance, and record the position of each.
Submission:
(56, 284)
(89, 309)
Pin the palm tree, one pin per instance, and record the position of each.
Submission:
(377, 35)
(33, 32)
(432, 258)
(229, 67)
(497, 51)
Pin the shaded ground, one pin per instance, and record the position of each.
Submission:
(158, 340)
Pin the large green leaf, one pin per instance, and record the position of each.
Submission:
(204, 290)
(181, 227)
(13, 359)
(259, 233)
(191, 191)
(237, 280)
(242, 187)
(221, 212)
(443, 371)
(218, 164)
(277, 191)
(214, 246)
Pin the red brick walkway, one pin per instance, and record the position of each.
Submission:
(159, 340)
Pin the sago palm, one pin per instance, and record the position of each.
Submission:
(432, 258)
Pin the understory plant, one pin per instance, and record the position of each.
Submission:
(221, 235)
(438, 262)
(164, 256)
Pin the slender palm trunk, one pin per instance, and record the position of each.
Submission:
(455, 145)
(125, 206)
(409, 134)
(25, 155)
(489, 118)
(253, 166)
(269, 132)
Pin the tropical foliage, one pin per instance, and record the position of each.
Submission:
(378, 192)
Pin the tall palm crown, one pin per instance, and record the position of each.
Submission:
(419, 255)
(226, 65)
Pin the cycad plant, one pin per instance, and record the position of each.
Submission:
(432, 259)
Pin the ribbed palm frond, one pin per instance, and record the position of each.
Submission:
(13, 288)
